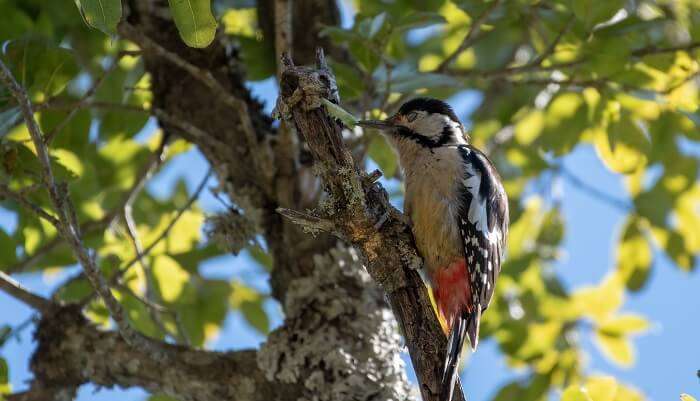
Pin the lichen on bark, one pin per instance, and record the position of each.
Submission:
(339, 338)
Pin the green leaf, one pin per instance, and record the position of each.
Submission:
(101, 14)
(203, 308)
(565, 120)
(4, 378)
(592, 12)
(250, 302)
(625, 147)
(552, 230)
(382, 154)
(634, 256)
(8, 256)
(41, 67)
(194, 21)
(418, 20)
(338, 112)
(8, 119)
(575, 393)
(256, 316)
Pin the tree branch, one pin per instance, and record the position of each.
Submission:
(71, 351)
(68, 226)
(538, 67)
(356, 204)
(17, 291)
(38, 210)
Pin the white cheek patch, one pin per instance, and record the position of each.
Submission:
(430, 125)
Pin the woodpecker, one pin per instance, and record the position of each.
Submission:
(459, 216)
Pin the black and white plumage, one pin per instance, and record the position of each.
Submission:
(459, 214)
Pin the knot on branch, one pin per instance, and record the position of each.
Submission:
(54, 331)
(339, 340)
(305, 86)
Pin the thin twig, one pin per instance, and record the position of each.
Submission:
(553, 45)
(48, 139)
(649, 50)
(206, 78)
(471, 37)
(156, 310)
(19, 292)
(591, 190)
(95, 225)
(307, 221)
(531, 67)
(118, 275)
(132, 233)
(38, 210)
(68, 226)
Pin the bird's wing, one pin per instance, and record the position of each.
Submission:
(483, 223)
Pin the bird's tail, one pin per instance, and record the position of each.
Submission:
(465, 325)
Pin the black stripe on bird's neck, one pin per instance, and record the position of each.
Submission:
(445, 137)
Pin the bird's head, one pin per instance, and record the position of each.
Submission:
(428, 122)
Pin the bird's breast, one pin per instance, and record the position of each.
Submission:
(432, 204)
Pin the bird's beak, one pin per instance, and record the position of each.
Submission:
(383, 125)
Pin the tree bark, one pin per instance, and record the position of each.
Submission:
(366, 363)
(361, 214)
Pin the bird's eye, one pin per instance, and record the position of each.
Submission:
(411, 117)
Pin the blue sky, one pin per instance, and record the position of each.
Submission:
(667, 356)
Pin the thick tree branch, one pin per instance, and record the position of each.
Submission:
(356, 205)
(72, 352)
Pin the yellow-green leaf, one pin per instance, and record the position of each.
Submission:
(170, 276)
(602, 388)
(687, 397)
(338, 112)
(575, 393)
(618, 349)
(602, 301)
(624, 147)
(101, 14)
(194, 21)
(625, 393)
(624, 325)
(634, 255)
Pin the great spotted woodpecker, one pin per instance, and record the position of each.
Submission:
(459, 216)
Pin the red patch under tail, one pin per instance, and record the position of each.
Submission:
(452, 291)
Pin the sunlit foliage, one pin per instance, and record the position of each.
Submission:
(620, 76)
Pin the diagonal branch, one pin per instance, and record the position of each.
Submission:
(17, 291)
(38, 210)
(356, 205)
(68, 227)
